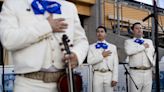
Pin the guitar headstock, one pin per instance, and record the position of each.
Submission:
(65, 43)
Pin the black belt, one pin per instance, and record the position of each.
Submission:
(140, 68)
(102, 70)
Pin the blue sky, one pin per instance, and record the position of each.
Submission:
(161, 3)
(150, 2)
(145, 1)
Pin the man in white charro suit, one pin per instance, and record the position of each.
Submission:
(104, 59)
(140, 52)
(32, 30)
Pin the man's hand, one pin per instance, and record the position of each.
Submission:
(57, 25)
(72, 58)
(113, 83)
(106, 53)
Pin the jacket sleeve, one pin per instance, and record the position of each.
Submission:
(115, 66)
(94, 56)
(152, 47)
(152, 52)
(15, 36)
(80, 41)
(131, 48)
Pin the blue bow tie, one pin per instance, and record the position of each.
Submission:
(40, 6)
(101, 45)
(139, 41)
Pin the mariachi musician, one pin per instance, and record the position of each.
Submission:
(141, 61)
(104, 59)
(31, 30)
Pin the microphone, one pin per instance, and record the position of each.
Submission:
(151, 15)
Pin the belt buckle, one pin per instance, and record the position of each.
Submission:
(103, 70)
(142, 68)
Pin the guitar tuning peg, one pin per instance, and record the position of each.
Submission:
(62, 49)
(71, 45)
(60, 43)
(68, 40)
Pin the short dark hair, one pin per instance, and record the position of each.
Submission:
(101, 27)
(135, 24)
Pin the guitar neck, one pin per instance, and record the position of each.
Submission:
(70, 78)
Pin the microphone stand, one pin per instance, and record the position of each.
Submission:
(126, 74)
(156, 23)
(156, 47)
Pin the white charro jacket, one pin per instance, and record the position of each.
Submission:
(136, 51)
(96, 59)
(30, 39)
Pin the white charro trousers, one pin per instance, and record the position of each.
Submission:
(143, 80)
(23, 84)
(102, 82)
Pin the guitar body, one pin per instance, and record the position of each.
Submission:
(63, 83)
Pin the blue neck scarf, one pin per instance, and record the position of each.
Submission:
(139, 41)
(101, 45)
(49, 6)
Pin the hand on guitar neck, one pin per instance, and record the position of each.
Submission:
(69, 57)
(72, 58)
(69, 82)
